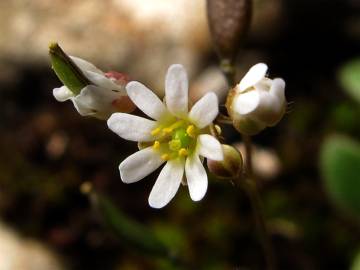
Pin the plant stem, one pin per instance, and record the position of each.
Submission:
(248, 155)
(251, 189)
(250, 185)
(228, 68)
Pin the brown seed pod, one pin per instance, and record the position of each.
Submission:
(229, 21)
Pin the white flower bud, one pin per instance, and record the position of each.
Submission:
(228, 168)
(93, 92)
(256, 102)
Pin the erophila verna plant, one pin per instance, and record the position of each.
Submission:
(176, 133)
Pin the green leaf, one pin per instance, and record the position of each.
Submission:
(66, 70)
(349, 76)
(356, 262)
(129, 231)
(340, 167)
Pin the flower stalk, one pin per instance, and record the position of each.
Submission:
(250, 187)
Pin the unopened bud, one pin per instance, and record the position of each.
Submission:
(229, 21)
(66, 70)
(230, 167)
(93, 92)
(256, 102)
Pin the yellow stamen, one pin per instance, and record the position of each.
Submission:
(165, 157)
(155, 131)
(191, 131)
(175, 145)
(173, 126)
(183, 152)
(156, 145)
(167, 130)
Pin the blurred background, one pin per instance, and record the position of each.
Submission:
(308, 165)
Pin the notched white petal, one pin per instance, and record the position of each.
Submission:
(167, 184)
(253, 76)
(139, 165)
(85, 65)
(146, 100)
(205, 110)
(62, 93)
(131, 127)
(196, 177)
(176, 90)
(104, 82)
(245, 103)
(278, 88)
(96, 101)
(209, 147)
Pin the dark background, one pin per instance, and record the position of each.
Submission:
(48, 150)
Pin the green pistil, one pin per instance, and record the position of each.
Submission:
(181, 135)
(176, 140)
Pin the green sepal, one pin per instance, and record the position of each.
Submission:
(66, 70)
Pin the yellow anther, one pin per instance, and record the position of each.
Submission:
(155, 131)
(165, 157)
(191, 131)
(183, 152)
(175, 145)
(156, 145)
(167, 130)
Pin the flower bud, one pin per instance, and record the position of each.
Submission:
(93, 92)
(230, 167)
(229, 21)
(256, 102)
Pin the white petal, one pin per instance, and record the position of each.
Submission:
(146, 100)
(167, 184)
(139, 165)
(255, 74)
(196, 178)
(85, 65)
(62, 94)
(205, 110)
(94, 100)
(209, 147)
(272, 104)
(278, 88)
(104, 82)
(176, 90)
(245, 103)
(131, 127)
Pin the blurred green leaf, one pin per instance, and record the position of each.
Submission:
(66, 70)
(345, 117)
(131, 232)
(356, 263)
(349, 76)
(340, 166)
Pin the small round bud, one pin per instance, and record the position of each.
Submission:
(230, 167)
(256, 102)
(229, 21)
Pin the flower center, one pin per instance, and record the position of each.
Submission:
(175, 140)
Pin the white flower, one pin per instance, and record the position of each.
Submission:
(176, 136)
(100, 99)
(257, 102)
